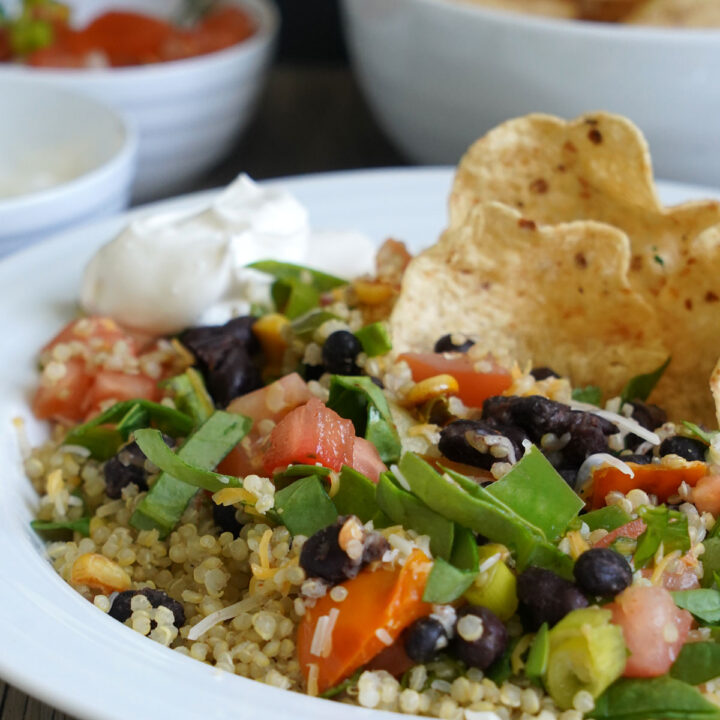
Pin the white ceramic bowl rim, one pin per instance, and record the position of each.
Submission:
(585, 28)
(263, 11)
(88, 180)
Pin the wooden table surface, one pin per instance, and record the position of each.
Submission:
(311, 118)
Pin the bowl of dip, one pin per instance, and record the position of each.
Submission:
(188, 111)
(64, 159)
(439, 73)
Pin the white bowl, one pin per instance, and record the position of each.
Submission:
(55, 644)
(188, 112)
(64, 159)
(439, 73)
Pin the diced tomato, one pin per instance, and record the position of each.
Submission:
(474, 387)
(654, 629)
(684, 579)
(366, 459)
(706, 494)
(98, 333)
(72, 386)
(274, 401)
(244, 459)
(63, 399)
(633, 529)
(310, 434)
(119, 386)
(127, 38)
(659, 480)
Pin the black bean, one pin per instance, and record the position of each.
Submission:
(339, 352)
(603, 572)
(546, 597)
(118, 476)
(322, 557)
(235, 374)
(649, 416)
(424, 639)
(224, 355)
(463, 441)
(685, 447)
(637, 459)
(312, 372)
(588, 435)
(543, 373)
(480, 652)
(225, 517)
(447, 343)
(121, 610)
(209, 344)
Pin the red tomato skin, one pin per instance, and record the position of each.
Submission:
(274, 401)
(633, 529)
(119, 386)
(64, 400)
(644, 614)
(474, 387)
(366, 459)
(312, 433)
(706, 494)
(99, 333)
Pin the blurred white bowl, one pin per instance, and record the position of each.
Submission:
(439, 73)
(64, 159)
(189, 112)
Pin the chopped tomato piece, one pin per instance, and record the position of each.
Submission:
(474, 387)
(97, 333)
(659, 480)
(654, 629)
(380, 603)
(633, 529)
(310, 434)
(366, 459)
(706, 494)
(273, 401)
(63, 398)
(119, 386)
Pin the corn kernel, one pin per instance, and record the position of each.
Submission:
(98, 572)
(432, 387)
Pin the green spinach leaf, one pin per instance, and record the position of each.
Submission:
(661, 697)
(640, 386)
(697, 663)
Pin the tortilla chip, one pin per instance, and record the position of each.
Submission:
(715, 389)
(556, 296)
(677, 13)
(597, 167)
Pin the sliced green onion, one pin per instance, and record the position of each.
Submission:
(167, 499)
(375, 339)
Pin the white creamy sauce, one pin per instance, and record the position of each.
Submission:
(168, 271)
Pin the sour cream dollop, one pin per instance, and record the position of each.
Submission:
(167, 271)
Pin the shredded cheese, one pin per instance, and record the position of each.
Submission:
(327, 643)
(597, 460)
(312, 683)
(215, 618)
(263, 549)
(384, 636)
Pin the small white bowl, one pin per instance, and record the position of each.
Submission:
(64, 159)
(440, 73)
(188, 112)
